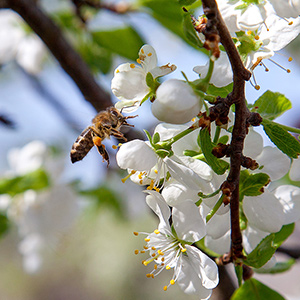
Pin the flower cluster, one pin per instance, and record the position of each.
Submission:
(185, 164)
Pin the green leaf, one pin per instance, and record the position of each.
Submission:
(4, 224)
(281, 138)
(252, 289)
(190, 32)
(219, 166)
(156, 138)
(279, 267)
(267, 247)
(35, 180)
(271, 105)
(262, 252)
(222, 92)
(239, 273)
(124, 41)
(105, 197)
(186, 2)
(252, 184)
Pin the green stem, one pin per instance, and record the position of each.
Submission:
(217, 134)
(210, 70)
(167, 143)
(209, 195)
(215, 209)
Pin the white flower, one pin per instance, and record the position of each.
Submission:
(295, 170)
(286, 8)
(16, 44)
(170, 248)
(129, 82)
(175, 102)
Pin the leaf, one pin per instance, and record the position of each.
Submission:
(4, 224)
(124, 41)
(279, 267)
(281, 138)
(271, 105)
(262, 252)
(267, 247)
(186, 2)
(252, 184)
(190, 32)
(252, 289)
(105, 197)
(219, 166)
(35, 180)
(222, 92)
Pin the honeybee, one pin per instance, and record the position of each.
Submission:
(105, 124)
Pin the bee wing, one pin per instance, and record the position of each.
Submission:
(82, 146)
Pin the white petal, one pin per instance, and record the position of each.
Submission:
(136, 155)
(127, 106)
(253, 144)
(189, 281)
(221, 245)
(274, 162)
(252, 237)
(148, 58)
(204, 266)
(264, 212)
(188, 223)
(295, 170)
(163, 70)
(157, 203)
(218, 225)
(289, 197)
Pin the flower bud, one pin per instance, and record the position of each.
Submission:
(176, 102)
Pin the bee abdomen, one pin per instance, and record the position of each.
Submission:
(82, 146)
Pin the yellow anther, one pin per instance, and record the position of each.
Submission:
(257, 37)
(288, 70)
(257, 87)
(117, 71)
(141, 181)
(152, 275)
(148, 275)
(153, 254)
(114, 147)
(290, 59)
(153, 248)
(147, 240)
(291, 23)
(156, 189)
(138, 61)
(132, 66)
(162, 264)
(145, 263)
(156, 231)
(146, 248)
(160, 252)
(193, 120)
(135, 233)
(155, 267)
(168, 267)
(140, 175)
(149, 54)
(172, 281)
(132, 172)
(142, 50)
(142, 251)
(165, 288)
(136, 251)
(155, 171)
(183, 250)
(162, 259)
(125, 178)
(249, 32)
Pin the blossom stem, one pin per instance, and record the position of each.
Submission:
(217, 134)
(209, 195)
(210, 70)
(215, 208)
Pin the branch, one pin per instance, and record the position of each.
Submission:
(231, 186)
(68, 58)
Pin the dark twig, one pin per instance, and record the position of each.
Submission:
(69, 59)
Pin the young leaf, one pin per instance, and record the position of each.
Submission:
(4, 224)
(279, 267)
(283, 234)
(190, 32)
(252, 184)
(281, 138)
(124, 41)
(271, 105)
(252, 289)
(186, 2)
(222, 92)
(35, 180)
(219, 166)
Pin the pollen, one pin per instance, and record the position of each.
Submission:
(143, 251)
(142, 50)
(132, 66)
(183, 250)
(117, 71)
(168, 267)
(145, 263)
(149, 54)
(290, 59)
(291, 23)
(155, 171)
(257, 87)
(160, 252)
(97, 141)
(146, 248)
(257, 37)
(288, 70)
(138, 61)
(148, 275)
(147, 240)
(114, 147)
(165, 288)
(156, 231)
(155, 267)
(172, 281)
(135, 233)
(136, 252)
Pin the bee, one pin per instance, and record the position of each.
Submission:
(105, 124)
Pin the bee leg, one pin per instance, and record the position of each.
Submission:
(118, 134)
(101, 148)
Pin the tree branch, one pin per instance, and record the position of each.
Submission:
(68, 58)
(242, 114)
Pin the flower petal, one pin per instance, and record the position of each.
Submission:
(148, 58)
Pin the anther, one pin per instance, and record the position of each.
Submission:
(117, 71)
(168, 267)
(290, 59)
(148, 275)
(156, 231)
(153, 248)
(172, 281)
(155, 267)
(136, 252)
(165, 288)
(149, 54)
(132, 66)
(138, 61)
(142, 251)
(135, 233)
(147, 240)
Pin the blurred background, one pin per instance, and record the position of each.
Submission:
(66, 230)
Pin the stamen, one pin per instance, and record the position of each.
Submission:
(149, 275)
(168, 267)
(147, 240)
(280, 66)
(172, 281)
(153, 248)
(256, 37)
(117, 71)
(142, 251)
(116, 146)
(155, 267)
(142, 50)
(132, 66)
(155, 171)
(138, 61)
(266, 26)
(130, 174)
(254, 83)
(135, 233)
(136, 252)
(149, 54)
(146, 248)
(290, 59)
(266, 68)
(156, 231)
(165, 288)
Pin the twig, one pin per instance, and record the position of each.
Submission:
(68, 58)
